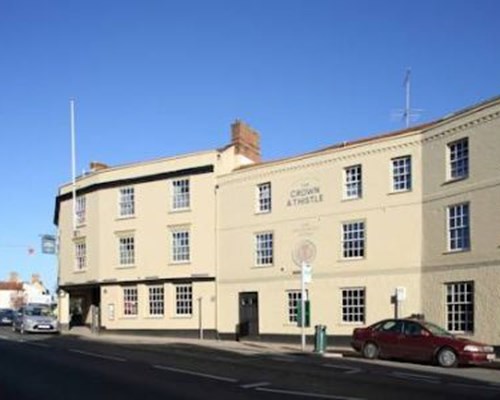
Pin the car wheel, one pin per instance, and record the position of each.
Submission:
(447, 358)
(370, 351)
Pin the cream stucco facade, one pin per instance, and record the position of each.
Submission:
(373, 215)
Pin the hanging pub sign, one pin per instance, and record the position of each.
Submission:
(48, 244)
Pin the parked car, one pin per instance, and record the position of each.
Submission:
(6, 316)
(418, 340)
(35, 318)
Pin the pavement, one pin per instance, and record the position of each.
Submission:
(242, 346)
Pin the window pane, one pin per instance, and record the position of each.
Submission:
(460, 307)
(127, 201)
(353, 240)
(184, 299)
(130, 301)
(180, 194)
(264, 248)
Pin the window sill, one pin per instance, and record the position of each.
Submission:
(81, 225)
(131, 266)
(347, 199)
(129, 317)
(173, 263)
(80, 271)
(264, 212)
(346, 260)
(262, 266)
(180, 210)
(190, 316)
(125, 217)
(343, 323)
(459, 251)
(153, 317)
(453, 180)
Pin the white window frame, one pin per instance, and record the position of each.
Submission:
(126, 201)
(458, 159)
(264, 198)
(353, 305)
(126, 250)
(264, 249)
(458, 227)
(80, 209)
(156, 300)
(401, 174)
(184, 299)
(353, 240)
(181, 194)
(80, 255)
(180, 245)
(353, 182)
(460, 306)
(130, 301)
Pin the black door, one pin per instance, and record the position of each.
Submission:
(249, 314)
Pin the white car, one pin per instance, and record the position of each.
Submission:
(35, 318)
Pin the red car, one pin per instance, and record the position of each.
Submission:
(418, 340)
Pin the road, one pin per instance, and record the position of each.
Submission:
(67, 367)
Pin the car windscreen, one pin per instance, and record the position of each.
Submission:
(38, 312)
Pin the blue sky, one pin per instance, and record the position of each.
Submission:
(157, 78)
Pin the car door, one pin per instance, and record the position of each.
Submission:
(416, 342)
(388, 336)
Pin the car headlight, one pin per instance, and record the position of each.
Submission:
(488, 349)
(472, 348)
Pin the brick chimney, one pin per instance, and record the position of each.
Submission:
(246, 141)
(97, 166)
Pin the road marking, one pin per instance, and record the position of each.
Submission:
(183, 371)
(307, 394)
(87, 353)
(348, 370)
(254, 385)
(416, 377)
(4, 337)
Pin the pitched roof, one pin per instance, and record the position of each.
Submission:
(11, 286)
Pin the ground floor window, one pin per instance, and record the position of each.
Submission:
(353, 305)
(156, 300)
(460, 306)
(130, 300)
(294, 299)
(184, 299)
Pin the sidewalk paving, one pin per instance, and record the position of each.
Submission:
(239, 346)
(245, 347)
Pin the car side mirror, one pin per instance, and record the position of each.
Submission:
(424, 333)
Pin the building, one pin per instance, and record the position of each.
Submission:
(395, 224)
(14, 293)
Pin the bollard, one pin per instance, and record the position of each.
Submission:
(319, 338)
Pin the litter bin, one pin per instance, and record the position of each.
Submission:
(319, 338)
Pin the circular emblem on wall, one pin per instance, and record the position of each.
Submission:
(304, 252)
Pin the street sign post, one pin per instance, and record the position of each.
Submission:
(303, 255)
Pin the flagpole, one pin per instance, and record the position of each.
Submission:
(73, 159)
(407, 110)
